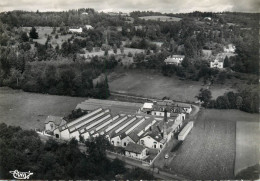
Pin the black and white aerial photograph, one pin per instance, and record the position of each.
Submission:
(129, 90)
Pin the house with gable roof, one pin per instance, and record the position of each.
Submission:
(136, 151)
(174, 59)
(52, 122)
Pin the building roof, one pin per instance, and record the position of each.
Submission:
(89, 26)
(134, 137)
(88, 120)
(135, 148)
(177, 56)
(148, 105)
(55, 119)
(172, 58)
(116, 107)
(184, 130)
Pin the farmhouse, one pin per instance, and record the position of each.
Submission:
(139, 27)
(89, 27)
(75, 30)
(230, 48)
(208, 18)
(136, 151)
(174, 59)
(52, 122)
(217, 63)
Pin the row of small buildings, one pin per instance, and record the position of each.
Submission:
(144, 129)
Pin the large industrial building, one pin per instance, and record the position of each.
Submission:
(122, 123)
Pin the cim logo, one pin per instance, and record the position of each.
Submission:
(21, 175)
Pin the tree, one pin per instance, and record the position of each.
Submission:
(24, 37)
(122, 49)
(239, 102)
(232, 99)
(204, 96)
(222, 77)
(106, 52)
(115, 49)
(186, 62)
(226, 62)
(33, 33)
(139, 174)
(222, 102)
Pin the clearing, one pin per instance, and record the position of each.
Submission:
(29, 110)
(154, 85)
(160, 18)
(43, 33)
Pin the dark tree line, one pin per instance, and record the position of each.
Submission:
(245, 100)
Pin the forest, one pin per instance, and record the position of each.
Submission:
(61, 69)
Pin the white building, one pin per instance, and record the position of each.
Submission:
(89, 27)
(217, 64)
(147, 107)
(157, 108)
(84, 13)
(185, 131)
(153, 140)
(136, 151)
(174, 59)
(52, 122)
(75, 30)
(230, 48)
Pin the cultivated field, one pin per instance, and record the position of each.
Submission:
(30, 110)
(148, 84)
(247, 145)
(209, 150)
(160, 18)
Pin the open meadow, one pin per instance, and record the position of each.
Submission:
(43, 33)
(209, 151)
(29, 110)
(155, 85)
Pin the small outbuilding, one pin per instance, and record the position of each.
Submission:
(185, 131)
(136, 151)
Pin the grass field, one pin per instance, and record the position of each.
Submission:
(43, 33)
(209, 150)
(160, 18)
(155, 85)
(247, 145)
(30, 110)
